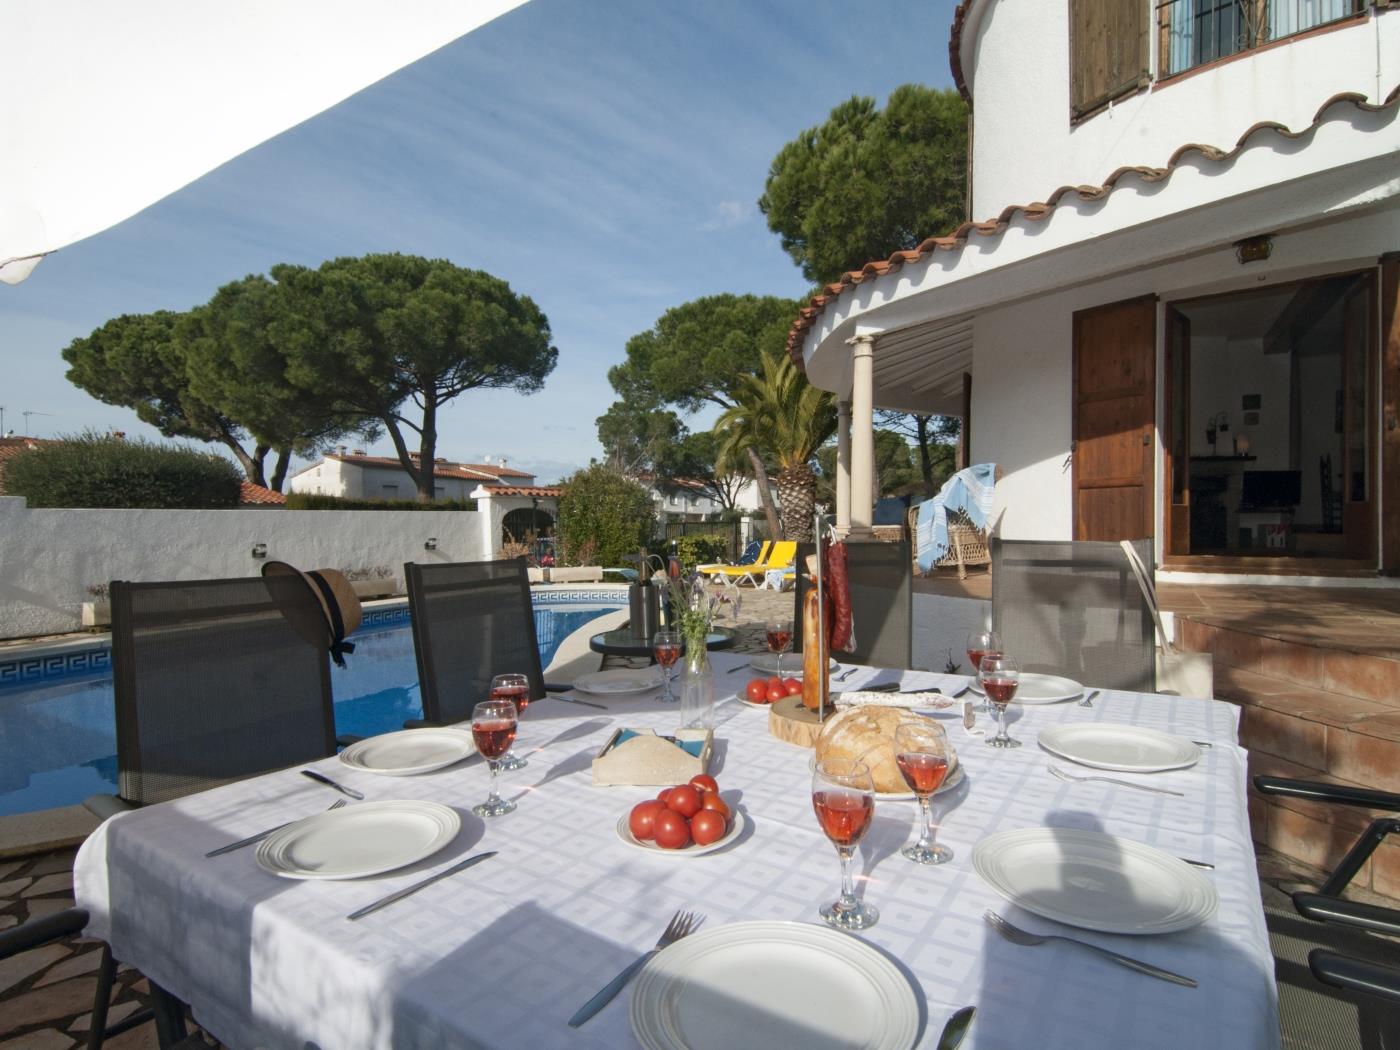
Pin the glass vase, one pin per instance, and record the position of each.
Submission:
(697, 686)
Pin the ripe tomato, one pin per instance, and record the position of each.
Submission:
(704, 782)
(713, 803)
(758, 690)
(776, 693)
(642, 820)
(775, 682)
(792, 686)
(707, 826)
(685, 800)
(663, 794)
(672, 831)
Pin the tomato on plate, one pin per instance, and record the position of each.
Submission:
(758, 691)
(792, 686)
(663, 794)
(642, 820)
(704, 782)
(774, 682)
(685, 800)
(712, 803)
(776, 693)
(672, 831)
(707, 826)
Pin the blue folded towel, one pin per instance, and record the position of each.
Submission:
(971, 491)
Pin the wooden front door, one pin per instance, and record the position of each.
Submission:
(1115, 352)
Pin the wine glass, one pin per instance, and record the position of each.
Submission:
(1000, 675)
(493, 729)
(779, 634)
(516, 689)
(666, 647)
(980, 642)
(843, 796)
(923, 756)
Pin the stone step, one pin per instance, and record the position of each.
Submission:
(1363, 676)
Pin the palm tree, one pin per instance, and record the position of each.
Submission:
(785, 419)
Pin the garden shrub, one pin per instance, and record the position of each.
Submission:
(97, 470)
(317, 501)
(701, 550)
(602, 516)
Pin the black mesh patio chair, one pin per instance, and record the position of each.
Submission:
(1345, 941)
(1075, 609)
(471, 621)
(882, 602)
(212, 685)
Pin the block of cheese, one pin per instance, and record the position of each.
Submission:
(867, 734)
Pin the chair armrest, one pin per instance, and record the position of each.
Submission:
(1322, 908)
(104, 806)
(346, 739)
(419, 723)
(1344, 971)
(1317, 791)
(32, 934)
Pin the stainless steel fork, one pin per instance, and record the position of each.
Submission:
(1016, 935)
(1056, 772)
(251, 839)
(681, 924)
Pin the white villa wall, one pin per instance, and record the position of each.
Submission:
(1024, 146)
(333, 477)
(48, 558)
(1022, 404)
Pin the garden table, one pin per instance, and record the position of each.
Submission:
(501, 955)
(621, 642)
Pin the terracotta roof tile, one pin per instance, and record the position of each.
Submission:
(488, 472)
(526, 490)
(258, 495)
(1039, 210)
(955, 48)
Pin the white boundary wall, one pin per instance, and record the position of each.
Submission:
(48, 558)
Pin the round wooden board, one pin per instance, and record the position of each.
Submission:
(789, 720)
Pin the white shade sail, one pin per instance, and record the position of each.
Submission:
(106, 108)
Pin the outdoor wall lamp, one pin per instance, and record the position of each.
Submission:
(260, 550)
(1254, 249)
(431, 544)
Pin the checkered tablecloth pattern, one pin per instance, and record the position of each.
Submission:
(502, 955)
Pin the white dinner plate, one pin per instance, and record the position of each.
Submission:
(1095, 881)
(621, 682)
(368, 838)
(1124, 749)
(737, 821)
(409, 751)
(773, 984)
(952, 782)
(767, 663)
(1040, 689)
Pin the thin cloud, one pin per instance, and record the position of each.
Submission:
(727, 215)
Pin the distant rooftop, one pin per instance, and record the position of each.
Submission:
(486, 473)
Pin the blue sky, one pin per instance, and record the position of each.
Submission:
(604, 158)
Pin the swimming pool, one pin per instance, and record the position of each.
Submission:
(58, 735)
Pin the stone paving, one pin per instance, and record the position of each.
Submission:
(46, 994)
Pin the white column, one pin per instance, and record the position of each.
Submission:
(843, 467)
(862, 434)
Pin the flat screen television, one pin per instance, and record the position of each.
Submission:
(1271, 489)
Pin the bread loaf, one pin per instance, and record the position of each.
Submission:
(867, 734)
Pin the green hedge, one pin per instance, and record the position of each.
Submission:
(315, 501)
(602, 516)
(701, 550)
(94, 470)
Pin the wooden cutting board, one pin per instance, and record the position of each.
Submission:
(788, 720)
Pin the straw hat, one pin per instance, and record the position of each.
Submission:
(337, 600)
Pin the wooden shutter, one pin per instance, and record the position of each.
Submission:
(1108, 52)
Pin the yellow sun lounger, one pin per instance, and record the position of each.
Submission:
(780, 556)
(719, 567)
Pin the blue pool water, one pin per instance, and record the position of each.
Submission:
(58, 736)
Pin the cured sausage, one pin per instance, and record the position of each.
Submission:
(837, 578)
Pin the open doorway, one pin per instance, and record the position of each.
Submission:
(1271, 445)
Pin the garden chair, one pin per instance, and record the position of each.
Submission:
(471, 621)
(1075, 609)
(967, 544)
(1343, 952)
(882, 602)
(754, 554)
(212, 683)
(780, 556)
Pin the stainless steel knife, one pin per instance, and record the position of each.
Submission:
(407, 891)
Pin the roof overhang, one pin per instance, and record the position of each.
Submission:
(1203, 201)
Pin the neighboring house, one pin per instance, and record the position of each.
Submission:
(679, 499)
(257, 497)
(355, 475)
(1179, 318)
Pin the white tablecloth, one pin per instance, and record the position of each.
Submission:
(502, 955)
